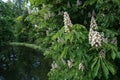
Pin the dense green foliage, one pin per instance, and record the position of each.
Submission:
(35, 36)
(19, 62)
(75, 45)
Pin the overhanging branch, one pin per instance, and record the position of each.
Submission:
(33, 46)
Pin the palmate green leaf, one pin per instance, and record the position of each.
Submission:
(55, 36)
(64, 52)
(79, 52)
(71, 38)
(76, 34)
(113, 54)
(72, 55)
(57, 47)
(58, 34)
(110, 32)
(96, 69)
(68, 37)
(95, 60)
(118, 54)
(105, 69)
(110, 67)
(78, 27)
(114, 50)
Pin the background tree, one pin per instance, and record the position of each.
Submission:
(15, 63)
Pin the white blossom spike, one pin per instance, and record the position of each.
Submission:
(95, 38)
(67, 22)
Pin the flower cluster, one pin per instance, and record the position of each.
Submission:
(81, 67)
(102, 54)
(114, 41)
(70, 63)
(67, 22)
(95, 37)
(54, 65)
(60, 13)
(48, 15)
(59, 40)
